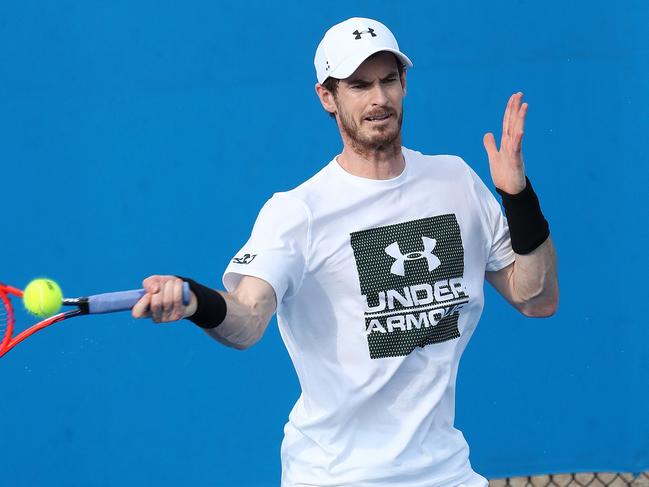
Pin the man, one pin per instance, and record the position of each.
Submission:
(376, 267)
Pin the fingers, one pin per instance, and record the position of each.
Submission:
(167, 301)
(507, 115)
(514, 123)
(152, 284)
(516, 111)
(162, 301)
(179, 306)
(515, 100)
(156, 307)
(141, 308)
(172, 300)
(490, 145)
(520, 127)
(519, 111)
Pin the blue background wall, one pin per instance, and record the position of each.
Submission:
(141, 137)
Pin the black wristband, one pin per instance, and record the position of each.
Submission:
(210, 305)
(528, 227)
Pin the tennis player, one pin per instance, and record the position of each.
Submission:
(375, 267)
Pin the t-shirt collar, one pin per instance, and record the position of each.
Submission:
(383, 183)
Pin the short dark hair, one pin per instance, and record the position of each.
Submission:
(331, 84)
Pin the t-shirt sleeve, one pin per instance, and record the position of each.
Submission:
(277, 248)
(500, 246)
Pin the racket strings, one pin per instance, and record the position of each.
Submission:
(6, 319)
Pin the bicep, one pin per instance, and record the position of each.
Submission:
(502, 281)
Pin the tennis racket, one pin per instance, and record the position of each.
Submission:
(97, 304)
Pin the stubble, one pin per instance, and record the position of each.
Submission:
(386, 141)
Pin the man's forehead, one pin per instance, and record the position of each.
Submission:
(378, 65)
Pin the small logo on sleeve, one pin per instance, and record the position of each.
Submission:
(244, 259)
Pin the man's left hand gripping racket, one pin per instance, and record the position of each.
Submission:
(97, 304)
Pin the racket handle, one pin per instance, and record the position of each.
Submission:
(122, 300)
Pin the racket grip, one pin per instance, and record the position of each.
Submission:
(122, 300)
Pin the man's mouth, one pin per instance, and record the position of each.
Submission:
(378, 117)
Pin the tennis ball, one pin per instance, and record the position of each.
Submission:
(42, 297)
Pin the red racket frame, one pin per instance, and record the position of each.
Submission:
(9, 342)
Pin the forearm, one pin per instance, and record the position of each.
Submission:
(236, 319)
(534, 281)
(243, 325)
(531, 283)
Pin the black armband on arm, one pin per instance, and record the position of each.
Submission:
(210, 305)
(528, 227)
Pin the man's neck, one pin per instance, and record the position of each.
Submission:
(387, 163)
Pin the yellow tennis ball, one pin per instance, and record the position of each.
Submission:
(42, 297)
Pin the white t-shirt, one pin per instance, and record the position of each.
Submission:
(379, 286)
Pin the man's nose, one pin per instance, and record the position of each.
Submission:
(379, 96)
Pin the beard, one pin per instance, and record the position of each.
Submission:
(380, 139)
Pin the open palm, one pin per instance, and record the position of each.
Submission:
(506, 165)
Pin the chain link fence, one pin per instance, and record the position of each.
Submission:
(576, 480)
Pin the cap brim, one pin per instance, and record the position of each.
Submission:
(351, 64)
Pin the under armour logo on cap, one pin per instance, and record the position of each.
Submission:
(338, 54)
(398, 267)
(358, 33)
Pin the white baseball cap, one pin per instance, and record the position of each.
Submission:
(347, 44)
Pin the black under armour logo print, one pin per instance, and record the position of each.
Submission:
(358, 33)
(411, 278)
(398, 267)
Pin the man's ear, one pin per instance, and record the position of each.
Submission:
(403, 81)
(326, 98)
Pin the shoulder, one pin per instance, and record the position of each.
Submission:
(285, 208)
(295, 204)
(442, 164)
(452, 170)
(312, 193)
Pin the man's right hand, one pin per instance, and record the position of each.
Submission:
(163, 301)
